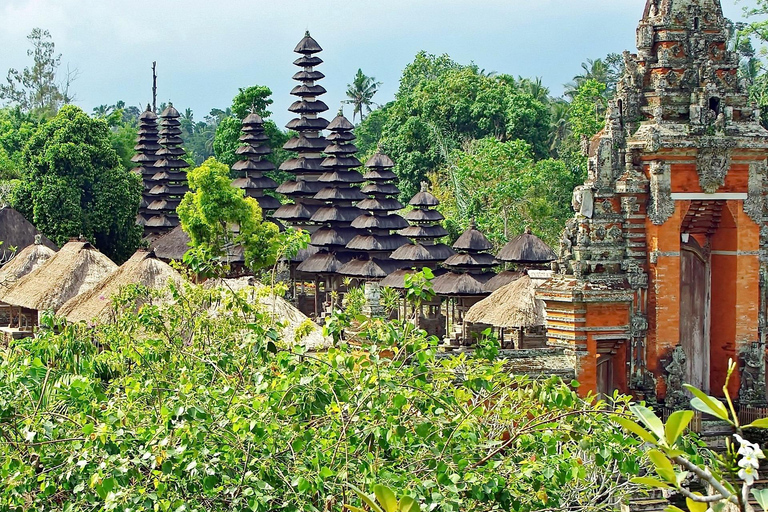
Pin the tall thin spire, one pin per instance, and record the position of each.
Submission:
(309, 143)
(170, 178)
(249, 170)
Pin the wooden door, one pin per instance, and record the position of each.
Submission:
(694, 312)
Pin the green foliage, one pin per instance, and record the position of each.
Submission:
(16, 128)
(36, 89)
(501, 186)
(360, 94)
(674, 459)
(440, 105)
(587, 111)
(73, 184)
(353, 301)
(217, 217)
(196, 404)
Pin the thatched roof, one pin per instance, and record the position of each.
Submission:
(452, 284)
(526, 248)
(472, 240)
(16, 231)
(27, 260)
(173, 245)
(513, 305)
(75, 269)
(142, 268)
(280, 309)
(502, 279)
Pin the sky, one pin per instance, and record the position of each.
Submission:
(206, 49)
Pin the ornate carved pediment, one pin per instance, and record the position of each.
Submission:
(754, 205)
(712, 164)
(661, 206)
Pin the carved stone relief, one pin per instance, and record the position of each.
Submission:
(712, 164)
(754, 205)
(661, 205)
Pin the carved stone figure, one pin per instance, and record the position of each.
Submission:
(661, 206)
(752, 391)
(676, 398)
(583, 201)
(713, 163)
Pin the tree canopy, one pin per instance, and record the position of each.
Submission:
(217, 218)
(74, 185)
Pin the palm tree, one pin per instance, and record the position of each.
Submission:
(360, 93)
(535, 88)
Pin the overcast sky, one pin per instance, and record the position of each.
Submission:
(206, 49)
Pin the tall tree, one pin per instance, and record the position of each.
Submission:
(74, 184)
(35, 89)
(217, 216)
(360, 93)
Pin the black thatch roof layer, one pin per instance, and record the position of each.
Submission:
(526, 248)
(249, 170)
(461, 285)
(309, 143)
(18, 232)
(169, 183)
(472, 240)
(146, 148)
(502, 279)
(368, 268)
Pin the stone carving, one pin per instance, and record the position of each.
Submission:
(615, 234)
(752, 391)
(713, 163)
(629, 205)
(607, 206)
(754, 205)
(583, 201)
(676, 398)
(636, 276)
(638, 325)
(661, 206)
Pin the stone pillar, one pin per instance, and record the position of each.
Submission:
(372, 307)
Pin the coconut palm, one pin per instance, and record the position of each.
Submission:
(360, 93)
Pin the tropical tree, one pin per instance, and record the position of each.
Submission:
(360, 93)
(35, 89)
(217, 217)
(450, 105)
(606, 71)
(73, 185)
(502, 187)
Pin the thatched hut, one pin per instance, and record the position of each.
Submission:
(75, 269)
(280, 311)
(22, 264)
(512, 307)
(18, 232)
(524, 251)
(143, 268)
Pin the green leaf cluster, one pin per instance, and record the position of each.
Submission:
(218, 218)
(197, 404)
(74, 185)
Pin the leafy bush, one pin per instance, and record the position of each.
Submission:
(198, 405)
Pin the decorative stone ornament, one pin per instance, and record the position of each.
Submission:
(661, 205)
(712, 164)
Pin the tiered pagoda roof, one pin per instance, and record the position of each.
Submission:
(339, 194)
(308, 144)
(527, 250)
(377, 242)
(169, 183)
(424, 230)
(249, 170)
(469, 268)
(146, 147)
